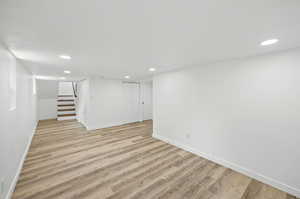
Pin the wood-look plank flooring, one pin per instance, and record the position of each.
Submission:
(66, 161)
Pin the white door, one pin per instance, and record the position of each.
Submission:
(131, 102)
(147, 100)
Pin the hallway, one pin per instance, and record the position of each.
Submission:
(66, 161)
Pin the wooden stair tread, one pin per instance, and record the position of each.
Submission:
(66, 115)
(66, 105)
(65, 95)
(70, 109)
(65, 100)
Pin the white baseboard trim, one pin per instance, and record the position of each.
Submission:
(267, 180)
(95, 127)
(15, 180)
(82, 123)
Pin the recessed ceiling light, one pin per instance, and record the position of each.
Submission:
(152, 69)
(65, 56)
(269, 42)
(67, 71)
(127, 77)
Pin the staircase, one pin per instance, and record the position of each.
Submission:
(66, 109)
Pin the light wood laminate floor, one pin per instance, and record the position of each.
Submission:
(65, 161)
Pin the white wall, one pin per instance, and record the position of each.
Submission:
(65, 88)
(244, 114)
(47, 109)
(82, 101)
(112, 103)
(18, 117)
(47, 91)
(107, 102)
(146, 99)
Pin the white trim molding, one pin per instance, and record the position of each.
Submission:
(267, 180)
(108, 125)
(95, 127)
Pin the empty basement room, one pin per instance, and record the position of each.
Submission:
(138, 99)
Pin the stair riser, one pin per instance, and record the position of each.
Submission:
(62, 103)
(66, 118)
(65, 112)
(65, 98)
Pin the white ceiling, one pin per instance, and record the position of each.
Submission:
(114, 38)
